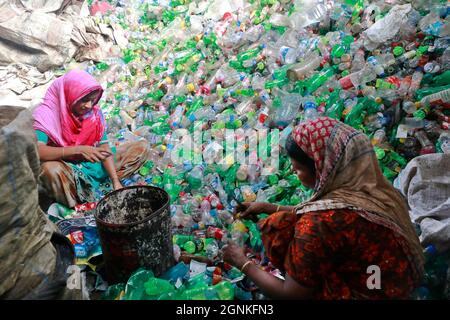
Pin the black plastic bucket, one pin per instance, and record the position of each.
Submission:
(135, 231)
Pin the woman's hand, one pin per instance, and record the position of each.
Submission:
(234, 255)
(93, 154)
(249, 210)
(117, 185)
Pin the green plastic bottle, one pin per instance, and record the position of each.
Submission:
(248, 54)
(356, 115)
(273, 179)
(335, 106)
(135, 289)
(422, 112)
(102, 66)
(114, 292)
(155, 95)
(196, 105)
(281, 73)
(155, 287)
(224, 290)
(441, 80)
(181, 239)
(193, 246)
(293, 180)
(316, 81)
(340, 49)
(245, 92)
(398, 158)
(254, 233)
(428, 91)
(276, 83)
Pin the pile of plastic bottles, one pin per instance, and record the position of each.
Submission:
(435, 283)
(379, 66)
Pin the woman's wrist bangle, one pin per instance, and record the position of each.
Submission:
(245, 265)
(278, 208)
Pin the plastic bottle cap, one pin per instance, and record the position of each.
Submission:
(431, 250)
(431, 68)
(309, 105)
(380, 153)
(190, 87)
(398, 51)
(346, 58)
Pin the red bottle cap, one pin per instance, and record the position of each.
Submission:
(227, 16)
(394, 80)
(346, 83)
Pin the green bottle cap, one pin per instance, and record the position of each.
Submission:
(347, 40)
(295, 200)
(260, 66)
(421, 50)
(144, 171)
(398, 51)
(420, 114)
(293, 180)
(380, 153)
(237, 123)
(189, 247)
(156, 180)
(273, 179)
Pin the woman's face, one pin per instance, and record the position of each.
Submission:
(304, 173)
(85, 104)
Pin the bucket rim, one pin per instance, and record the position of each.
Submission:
(110, 224)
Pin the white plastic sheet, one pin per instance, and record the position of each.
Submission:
(425, 182)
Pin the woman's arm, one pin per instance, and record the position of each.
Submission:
(88, 153)
(47, 153)
(277, 288)
(271, 208)
(110, 168)
(272, 286)
(249, 210)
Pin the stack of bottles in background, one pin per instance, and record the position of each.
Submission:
(380, 67)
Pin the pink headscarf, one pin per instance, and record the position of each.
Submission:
(55, 117)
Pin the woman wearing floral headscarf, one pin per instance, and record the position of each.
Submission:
(77, 164)
(354, 225)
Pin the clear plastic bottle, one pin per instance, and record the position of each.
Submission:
(376, 65)
(415, 82)
(444, 142)
(289, 55)
(443, 95)
(300, 70)
(177, 116)
(212, 250)
(195, 177)
(432, 67)
(378, 137)
(427, 145)
(310, 109)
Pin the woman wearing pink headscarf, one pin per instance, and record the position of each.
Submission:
(77, 164)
